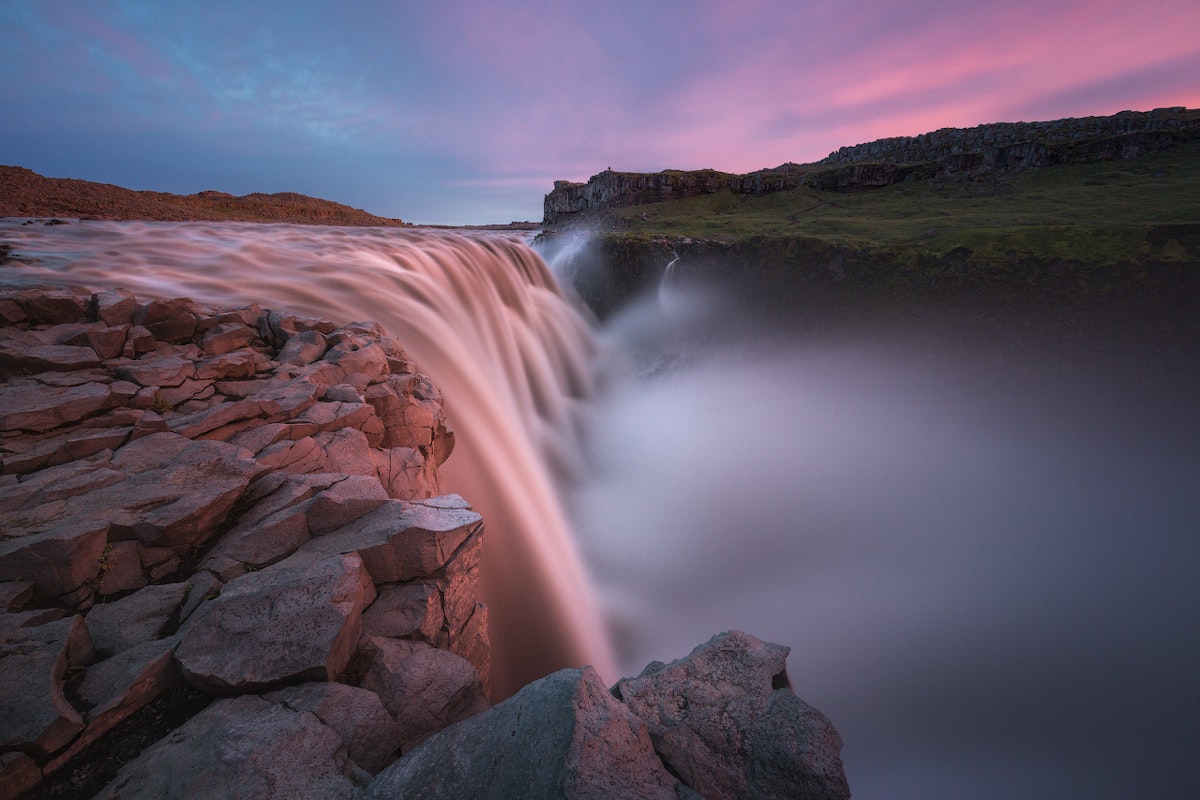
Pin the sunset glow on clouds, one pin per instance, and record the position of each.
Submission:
(467, 111)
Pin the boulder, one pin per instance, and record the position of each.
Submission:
(564, 736)
(246, 746)
(281, 625)
(724, 719)
(358, 715)
(426, 689)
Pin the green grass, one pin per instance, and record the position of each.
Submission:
(1106, 213)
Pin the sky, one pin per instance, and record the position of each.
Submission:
(466, 112)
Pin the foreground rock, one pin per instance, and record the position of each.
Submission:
(215, 497)
(721, 723)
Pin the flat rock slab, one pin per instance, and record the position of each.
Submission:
(400, 541)
(564, 736)
(166, 491)
(140, 617)
(725, 720)
(245, 747)
(33, 406)
(277, 626)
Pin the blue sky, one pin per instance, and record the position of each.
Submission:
(466, 112)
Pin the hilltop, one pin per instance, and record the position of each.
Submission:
(24, 193)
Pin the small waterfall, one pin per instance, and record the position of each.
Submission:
(481, 315)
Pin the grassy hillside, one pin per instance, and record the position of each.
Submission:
(1118, 212)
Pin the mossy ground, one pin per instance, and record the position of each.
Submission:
(1144, 210)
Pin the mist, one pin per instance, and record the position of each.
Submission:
(978, 538)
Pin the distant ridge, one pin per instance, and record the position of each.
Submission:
(961, 153)
(24, 193)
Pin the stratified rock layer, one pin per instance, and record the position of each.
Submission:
(216, 496)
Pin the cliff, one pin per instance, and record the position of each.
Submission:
(970, 153)
(226, 562)
(24, 193)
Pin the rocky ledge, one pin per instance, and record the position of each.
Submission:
(226, 561)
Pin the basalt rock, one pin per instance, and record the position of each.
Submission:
(190, 489)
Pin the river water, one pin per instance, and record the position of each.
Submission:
(982, 548)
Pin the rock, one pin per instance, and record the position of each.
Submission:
(118, 687)
(158, 372)
(121, 568)
(424, 688)
(226, 337)
(107, 342)
(399, 541)
(563, 736)
(168, 320)
(31, 406)
(258, 749)
(343, 503)
(115, 307)
(18, 774)
(303, 348)
(406, 610)
(141, 617)
(725, 720)
(347, 451)
(358, 715)
(19, 360)
(35, 716)
(58, 560)
(277, 626)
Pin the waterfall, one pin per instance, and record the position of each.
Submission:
(480, 314)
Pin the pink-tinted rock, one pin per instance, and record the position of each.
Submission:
(405, 473)
(563, 737)
(168, 320)
(277, 626)
(31, 406)
(14, 594)
(58, 558)
(348, 452)
(400, 541)
(200, 423)
(107, 342)
(357, 715)
(343, 503)
(56, 306)
(331, 416)
(138, 341)
(426, 689)
(226, 337)
(158, 372)
(259, 437)
(121, 568)
(188, 390)
(34, 714)
(303, 348)
(258, 749)
(370, 361)
(725, 720)
(407, 610)
(298, 457)
(286, 400)
(236, 364)
(17, 360)
(116, 306)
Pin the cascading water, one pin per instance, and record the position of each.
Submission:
(481, 315)
(981, 546)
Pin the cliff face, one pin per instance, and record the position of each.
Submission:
(950, 152)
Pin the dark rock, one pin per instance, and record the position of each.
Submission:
(245, 746)
(140, 617)
(358, 715)
(564, 736)
(424, 688)
(35, 715)
(725, 720)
